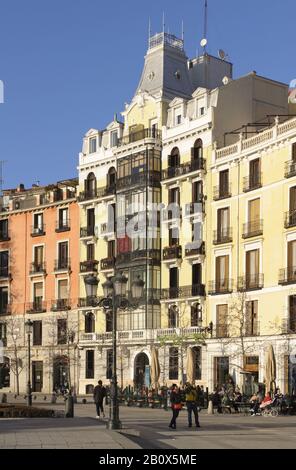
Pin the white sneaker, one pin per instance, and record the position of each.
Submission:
(98, 417)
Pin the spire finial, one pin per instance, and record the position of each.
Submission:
(149, 29)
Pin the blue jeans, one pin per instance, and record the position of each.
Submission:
(192, 407)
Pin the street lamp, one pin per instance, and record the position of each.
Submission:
(114, 298)
(29, 330)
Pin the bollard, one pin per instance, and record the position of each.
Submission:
(69, 406)
(210, 408)
(54, 397)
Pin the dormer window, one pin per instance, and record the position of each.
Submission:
(114, 139)
(178, 119)
(93, 145)
(202, 111)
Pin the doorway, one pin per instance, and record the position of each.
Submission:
(141, 370)
(37, 376)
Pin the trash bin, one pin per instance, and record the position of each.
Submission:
(69, 406)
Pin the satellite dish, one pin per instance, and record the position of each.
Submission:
(222, 54)
(203, 42)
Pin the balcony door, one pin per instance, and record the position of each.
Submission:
(254, 210)
(292, 206)
(197, 191)
(222, 273)
(221, 321)
(223, 183)
(91, 219)
(223, 222)
(38, 295)
(174, 282)
(291, 261)
(63, 254)
(255, 168)
(38, 256)
(252, 268)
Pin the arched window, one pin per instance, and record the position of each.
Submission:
(173, 317)
(91, 184)
(197, 151)
(89, 323)
(174, 158)
(111, 178)
(197, 362)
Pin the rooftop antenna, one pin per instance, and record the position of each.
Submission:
(1, 176)
(149, 30)
(163, 22)
(182, 30)
(204, 41)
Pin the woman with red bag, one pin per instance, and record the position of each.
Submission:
(176, 404)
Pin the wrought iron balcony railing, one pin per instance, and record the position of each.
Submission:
(172, 252)
(194, 208)
(38, 268)
(61, 264)
(250, 282)
(149, 133)
(196, 290)
(224, 286)
(151, 178)
(131, 256)
(60, 305)
(87, 231)
(183, 169)
(192, 249)
(4, 236)
(223, 235)
(289, 324)
(287, 275)
(251, 328)
(89, 266)
(253, 229)
(221, 192)
(290, 219)
(38, 231)
(97, 193)
(38, 306)
(108, 263)
(252, 182)
(290, 169)
(63, 226)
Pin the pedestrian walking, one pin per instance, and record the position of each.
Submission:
(99, 395)
(191, 404)
(176, 405)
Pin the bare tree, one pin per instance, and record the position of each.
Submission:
(15, 343)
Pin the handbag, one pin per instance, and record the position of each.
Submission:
(177, 406)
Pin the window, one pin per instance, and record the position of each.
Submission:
(173, 236)
(221, 321)
(251, 321)
(291, 277)
(196, 274)
(109, 360)
(252, 268)
(202, 111)
(197, 191)
(178, 119)
(255, 173)
(38, 258)
(62, 331)
(223, 183)
(89, 364)
(109, 322)
(221, 365)
(196, 315)
(292, 314)
(90, 252)
(3, 300)
(3, 333)
(37, 333)
(90, 222)
(174, 282)
(294, 152)
(111, 249)
(89, 323)
(63, 218)
(173, 317)
(254, 210)
(63, 261)
(223, 218)
(93, 145)
(90, 185)
(197, 150)
(174, 158)
(63, 289)
(4, 264)
(114, 139)
(111, 178)
(173, 363)
(222, 273)
(38, 296)
(4, 230)
(38, 223)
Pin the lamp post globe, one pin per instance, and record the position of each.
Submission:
(91, 285)
(120, 282)
(138, 288)
(108, 288)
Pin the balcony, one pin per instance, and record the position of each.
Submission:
(195, 208)
(4, 236)
(87, 232)
(62, 264)
(88, 301)
(151, 178)
(139, 255)
(37, 268)
(287, 275)
(290, 219)
(184, 169)
(60, 305)
(38, 306)
(253, 229)
(196, 290)
(38, 231)
(5, 310)
(251, 328)
(193, 250)
(172, 214)
(149, 133)
(250, 282)
(221, 192)
(63, 226)
(89, 266)
(97, 193)
(223, 235)
(252, 182)
(172, 252)
(290, 169)
(289, 324)
(224, 286)
(108, 264)
(4, 272)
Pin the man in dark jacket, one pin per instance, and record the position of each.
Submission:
(99, 395)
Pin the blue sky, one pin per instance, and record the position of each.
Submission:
(69, 65)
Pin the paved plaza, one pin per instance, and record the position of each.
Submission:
(148, 429)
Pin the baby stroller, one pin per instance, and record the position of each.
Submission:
(269, 408)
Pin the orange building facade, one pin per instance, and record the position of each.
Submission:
(39, 276)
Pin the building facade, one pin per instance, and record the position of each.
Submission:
(39, 282)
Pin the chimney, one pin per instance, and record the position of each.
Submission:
(20, 188)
